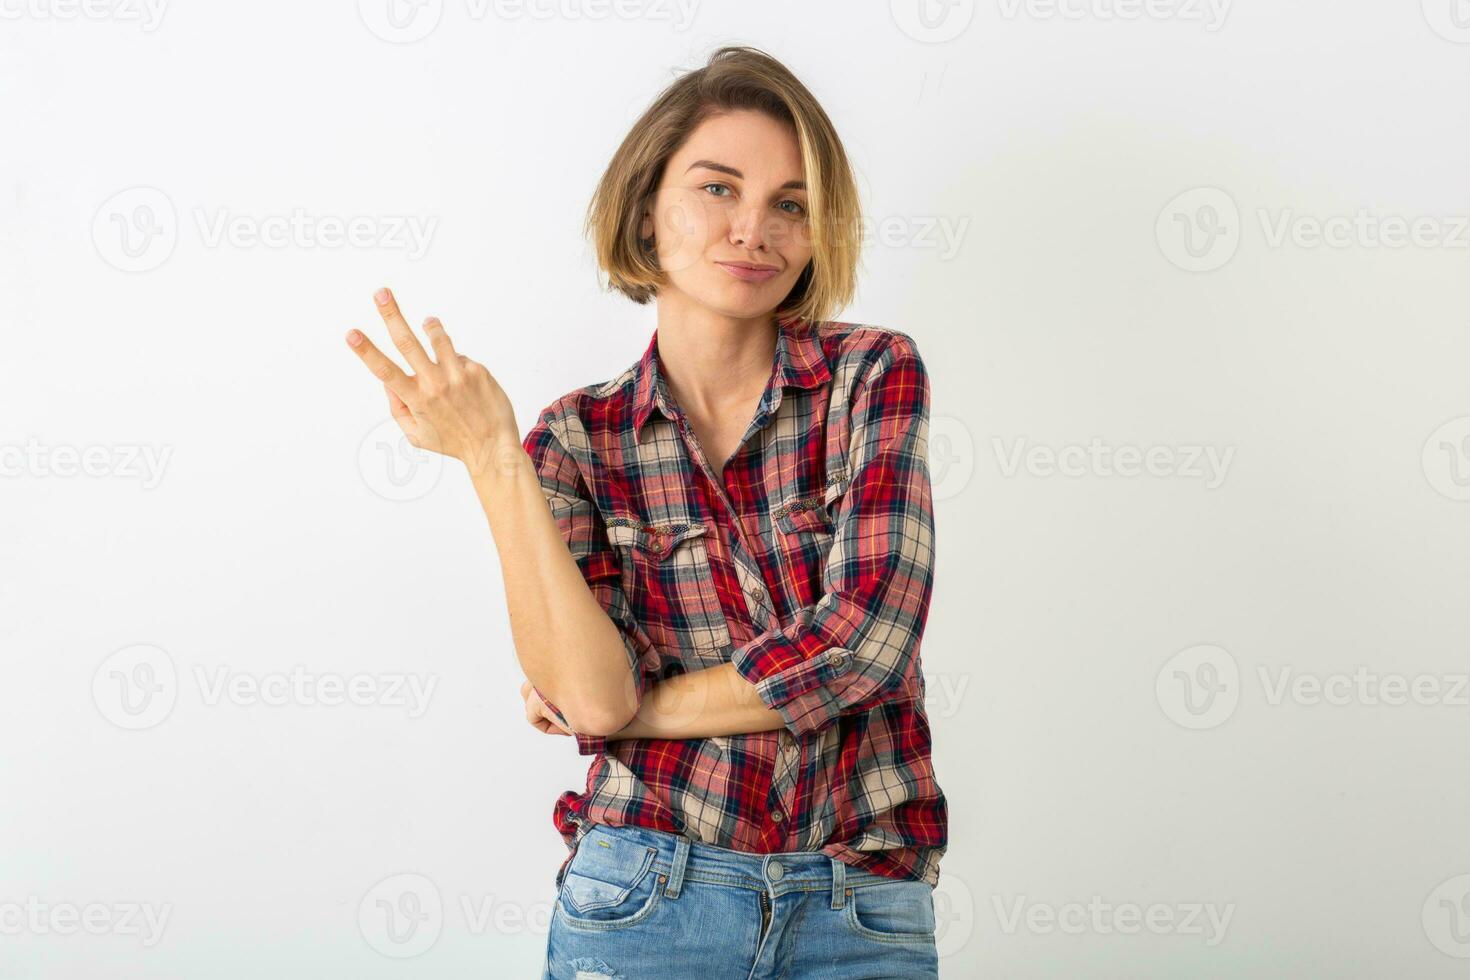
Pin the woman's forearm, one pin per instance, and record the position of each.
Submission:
(567, 645)
(701, 704)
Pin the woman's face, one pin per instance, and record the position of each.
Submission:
(732, 196)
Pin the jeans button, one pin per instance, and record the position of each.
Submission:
(775, 870)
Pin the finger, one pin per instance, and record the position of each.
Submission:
(444, 351)
(403, 339)
(380, 364)
(556, 724)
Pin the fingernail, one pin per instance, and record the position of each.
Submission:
(382, 296)
(354, 337)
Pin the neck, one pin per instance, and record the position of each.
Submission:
(713, 362)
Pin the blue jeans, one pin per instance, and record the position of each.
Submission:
(640, 904)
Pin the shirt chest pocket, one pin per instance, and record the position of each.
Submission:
(804, 532)
(671, 588)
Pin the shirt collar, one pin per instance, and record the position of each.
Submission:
(799, 362)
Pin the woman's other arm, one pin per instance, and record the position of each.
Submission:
(568, 646)
(566, 643)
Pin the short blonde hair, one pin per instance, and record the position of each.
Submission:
(735, 77)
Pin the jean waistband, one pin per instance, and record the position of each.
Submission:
(681, 858)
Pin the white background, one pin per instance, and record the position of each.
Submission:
(1022, 166)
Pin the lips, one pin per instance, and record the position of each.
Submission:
(748, 272)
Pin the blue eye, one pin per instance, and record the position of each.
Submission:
(799, 212)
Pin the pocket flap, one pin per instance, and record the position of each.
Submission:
(655, 539)
(804, 515)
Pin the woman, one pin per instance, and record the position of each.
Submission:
(724, 599)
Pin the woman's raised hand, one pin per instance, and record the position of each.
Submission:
(449, 404)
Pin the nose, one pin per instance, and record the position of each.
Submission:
(747, 229)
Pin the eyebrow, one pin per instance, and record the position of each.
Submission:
(795, 185)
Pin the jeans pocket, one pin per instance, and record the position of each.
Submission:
(610, 883)
(893, 912)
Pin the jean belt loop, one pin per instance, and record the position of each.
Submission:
(839, 882)
(676, 874)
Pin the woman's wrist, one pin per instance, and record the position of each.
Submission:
(496, 456)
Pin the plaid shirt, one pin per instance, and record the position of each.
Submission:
(807, 564)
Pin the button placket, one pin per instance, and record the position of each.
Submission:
(784, 777)
(757, 599)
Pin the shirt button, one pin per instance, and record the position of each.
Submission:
(834, 657)
(775, 871)
(777, 816)
(756, 596)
